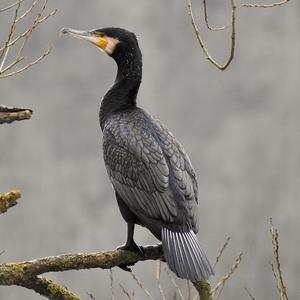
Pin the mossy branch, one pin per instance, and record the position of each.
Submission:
(8, 200)
(11, 114)
(26, 274)
(204, 290)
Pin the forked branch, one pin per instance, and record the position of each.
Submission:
(17, 41)
(201, 41)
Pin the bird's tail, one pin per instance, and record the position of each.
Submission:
(184, 255)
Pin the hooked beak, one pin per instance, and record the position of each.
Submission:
(90, 36)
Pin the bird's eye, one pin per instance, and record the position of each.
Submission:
(99, 34)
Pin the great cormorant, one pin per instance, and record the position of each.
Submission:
(153, 179)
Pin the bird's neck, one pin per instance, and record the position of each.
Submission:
(122, 95)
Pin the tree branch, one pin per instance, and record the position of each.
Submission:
(202, 44)
(206, 19)
(10, 66)
(255, 5)
(26, 273)
(8, 200)
(11, 114)
(277, 272)
(204, 290)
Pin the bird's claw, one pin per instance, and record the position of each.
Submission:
(125, 268)
(133, 247)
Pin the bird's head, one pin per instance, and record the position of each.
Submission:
(113, 41)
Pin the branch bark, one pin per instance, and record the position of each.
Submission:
(8, 200)
(26, 274)
(11, 114)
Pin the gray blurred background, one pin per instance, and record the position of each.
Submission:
(240, 127)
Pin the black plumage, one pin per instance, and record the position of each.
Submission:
(152, 176)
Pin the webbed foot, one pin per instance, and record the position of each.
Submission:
(133, 247)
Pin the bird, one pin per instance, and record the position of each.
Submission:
(153, 179)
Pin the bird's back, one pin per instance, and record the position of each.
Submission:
(149, 169)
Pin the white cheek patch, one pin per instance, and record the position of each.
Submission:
(111, 44)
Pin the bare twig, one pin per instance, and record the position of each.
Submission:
(27, 11)
(189, 290)
(111, 284)
(5, 51)
(10, 114)
(33, 26)
(277, 270)
(10, 6)
(255, 5)
(174, 283)
(8, 200)
(20, 40)
(221, 252)
(125, 292)
(158, 273)
(216, 291)
(206, 19)
(249, 294)
(202, 44)
(27, 66)
(141, 286)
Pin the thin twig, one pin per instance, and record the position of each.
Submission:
(221, 252)
(255, 5)
(196, 297)
(141, 286)
(34, 26)
(206, 19)
(111, 284)
(6, 71)
(216, 291)
(158, 275)
(275, 276)
(249, 294)
(277, 270)
(202, 44)
(189, 290)
(27, 11)
(10, 6)
(27, 66)
(125, 292)
(174, 283)
(5, 51)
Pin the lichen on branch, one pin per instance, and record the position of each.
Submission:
(26, 274)
(8, 200)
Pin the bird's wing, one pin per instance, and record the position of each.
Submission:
(182, 169)
(140, 166)
(180, 163)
